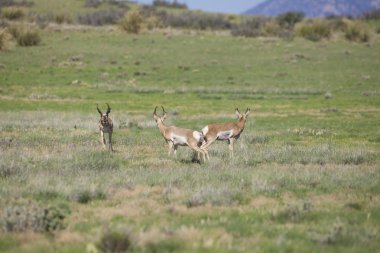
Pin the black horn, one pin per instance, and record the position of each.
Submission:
(97, 107)
(108, 109)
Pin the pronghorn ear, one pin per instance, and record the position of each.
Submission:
(97, 107)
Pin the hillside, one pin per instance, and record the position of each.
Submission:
(311, 8)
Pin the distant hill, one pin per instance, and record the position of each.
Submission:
(315, 8)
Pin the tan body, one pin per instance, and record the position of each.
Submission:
(106, 126)
(224, 132)
(176, 136)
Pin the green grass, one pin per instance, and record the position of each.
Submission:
(305, 176)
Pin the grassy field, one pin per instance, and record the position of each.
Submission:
(305, 176)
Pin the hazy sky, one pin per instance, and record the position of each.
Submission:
(225, 6)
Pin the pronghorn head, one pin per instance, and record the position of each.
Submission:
(242, 116)
(104, 116)
(157, 118)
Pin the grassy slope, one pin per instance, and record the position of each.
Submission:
(302, 180)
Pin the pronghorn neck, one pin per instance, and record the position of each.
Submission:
(161, 126)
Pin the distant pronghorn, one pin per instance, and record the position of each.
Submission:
(105, 126)
(224, 131)
(176, 136)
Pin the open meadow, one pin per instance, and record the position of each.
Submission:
(305, 176)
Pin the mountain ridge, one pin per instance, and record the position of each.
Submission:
(313, 8)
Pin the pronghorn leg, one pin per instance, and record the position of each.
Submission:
(175, 147)
(199, 151)
(205, 145)
(231, 146)
(102, 140)
(170, 147)
(110, 141)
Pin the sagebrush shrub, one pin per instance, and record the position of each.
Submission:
(357, 31)
(132, 22)
(12, 13)
(5, 39)
(115, 240)
(31, 217)
(29, 37)
(101, 17)
(314, 31)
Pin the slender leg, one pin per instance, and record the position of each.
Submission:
(231, 146)
(175, 150)
(205, 145)
(110, 141)
(170, 147)
(198, 150)
(102, 140)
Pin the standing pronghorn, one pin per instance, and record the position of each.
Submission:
(224, 131)
(105, 126)
(176, 136)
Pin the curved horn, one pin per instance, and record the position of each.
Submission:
(163, 116)
(155, 111)
(108, 109)
(97, 107)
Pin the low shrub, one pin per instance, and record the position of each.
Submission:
(357, 31)
(29, 38)
(195, 20)
(101, 17)
(115, 240)
(132, 22)
(289, 19)
(313, 30)
(5, 41)
(31, 217)
(252, 27)
(25, 35)
(85, 196)
(174, 4)
(12, 13)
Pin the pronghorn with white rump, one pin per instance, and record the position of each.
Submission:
(176, 136)
(105, 126)
(224, 131)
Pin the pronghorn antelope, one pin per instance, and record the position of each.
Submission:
(176, 136)
(105, 126)
(224, 131)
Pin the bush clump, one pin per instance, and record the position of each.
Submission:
(313, 30)
(5, 41)
(357, 31)
(252, 27)
(115, 240)
(132, 22)
(174, 4)
(101, 17)
(289, 19)
(12, 13)
(30, 217)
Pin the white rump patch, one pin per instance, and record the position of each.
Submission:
(198, 136)
(225, 135)
(178, 140)
(205, 130)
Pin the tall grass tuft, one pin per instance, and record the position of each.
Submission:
(5, 40)
(313, 30)
(132, 22)
(357, 31)
(12, 13)
(115, 240)
(25, 35)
